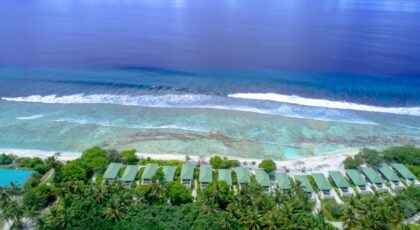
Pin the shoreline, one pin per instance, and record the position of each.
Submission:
(322, 163)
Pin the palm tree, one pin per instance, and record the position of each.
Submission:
(251, 220)
(115, 210)
(98, 194)
(272, 220)
(350, 217)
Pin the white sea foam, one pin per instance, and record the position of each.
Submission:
(293, 99)
(234, 103)
(33, 117)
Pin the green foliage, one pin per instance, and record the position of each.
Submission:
(95, 158)
(39, 197)
(159, 175)
(409, 201)
(268, 165)
(370, 156)
(177, 193)
(73, 171)
(129, 157)
(113, 155)
(217, 193)
(372, 212)
(216, 162)
(352, 162)
(331, 210)
(6, 159)
(407, 154)
(415, 170)
(162, 162)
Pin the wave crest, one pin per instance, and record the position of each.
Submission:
(293, 99)
(233, 103)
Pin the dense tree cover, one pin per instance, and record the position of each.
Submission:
(407, 154)
(6, 159)
(268, 165)
(114, 206)
(372, 212)
(409, 201)
(223, 163)
(92, 160)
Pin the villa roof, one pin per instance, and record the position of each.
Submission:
(112, 171)
(283, 180)
(130, 173)
(243, 175)
(149, 171)
(187, 171)
(226, 176)
(339, 179)
(321, 182)
(388, 173)
(404, 171)
(372, 175)
(206, 174)
(304, 183)
(169, 173)
(262, 177)
(355, 177)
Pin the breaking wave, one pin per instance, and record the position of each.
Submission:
(293, 99)
(235, 102)
(33, 117)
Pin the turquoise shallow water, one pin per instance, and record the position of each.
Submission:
(10, 175)
(194, 131)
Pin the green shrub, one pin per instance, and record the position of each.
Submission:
(268, 165)
(6, 159)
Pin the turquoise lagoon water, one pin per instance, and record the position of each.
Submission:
(17, 176)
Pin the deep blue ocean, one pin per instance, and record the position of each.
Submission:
(280, 78)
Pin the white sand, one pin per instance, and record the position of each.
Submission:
(325, 163)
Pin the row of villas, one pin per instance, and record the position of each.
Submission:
(394, 174)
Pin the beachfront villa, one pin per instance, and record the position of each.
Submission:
(226, 176)
(263, 179)
(111, 172)
(129, 174)
(242, 175)
(303, 182)
(357, 179)
(169, 173)
(206, 176)
(340, 182)
(406, 174)
(390, 176)
(187, 174)
(324, 187)
(283, 181)
(374, 178)
(149, 172)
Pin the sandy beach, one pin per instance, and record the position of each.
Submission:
(324, 163)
